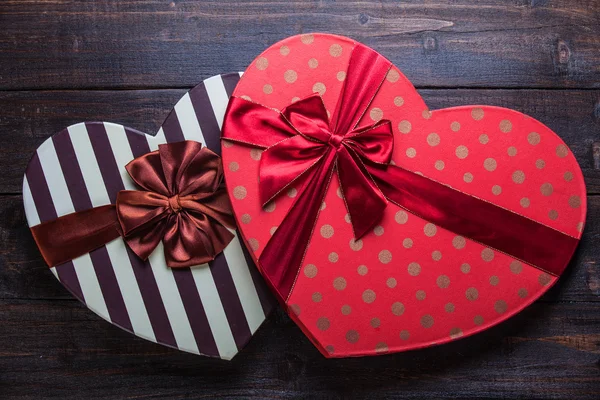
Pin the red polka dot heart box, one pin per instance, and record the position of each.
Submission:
(382, 225)
(211, 309)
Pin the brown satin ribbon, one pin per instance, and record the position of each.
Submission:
(183, 203)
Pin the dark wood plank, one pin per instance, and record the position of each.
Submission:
(58, 348)
(28, 118)
(161, 44)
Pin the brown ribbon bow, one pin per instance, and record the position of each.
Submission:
(183, 203)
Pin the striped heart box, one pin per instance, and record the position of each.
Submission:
(212, 309)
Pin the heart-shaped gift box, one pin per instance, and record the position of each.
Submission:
(211, 309)
(485, 205)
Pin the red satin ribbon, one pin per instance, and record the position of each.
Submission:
(183, 203)
(301, 142)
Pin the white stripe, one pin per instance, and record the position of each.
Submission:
(217, 320)
(86, 275)
(92, 176)
(31, 213)
(88, 281)
(122, 151)
(53, 270)
(218, 97)
(244, 285)
(55, 178)
(86, 158)
(132, 297)
(188, 120)
(182, 330)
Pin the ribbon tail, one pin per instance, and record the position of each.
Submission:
(146, 238)
(275, 174)
(538, 245)
(73, 235)
(190, 241)
(220, 239)
(364, 200)
(282, 257)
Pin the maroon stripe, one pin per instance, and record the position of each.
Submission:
(138, 142)
(157, 314)
(172, 128)
(230, 300)
(100, 259)
(68, 277)
(71, 171)
(230, 81)
(105, 158)
(206, 118)
(267, 300)
(144, 276)
(39, 190)
(46, 211)
(195, 311)
(110, 288)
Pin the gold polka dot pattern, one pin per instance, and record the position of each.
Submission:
(310, 271)
(477, 114)
(339, 283)
(290, 76)
(352, 336)
(398, 308)
(262, 63)
(427, 321)
(369, 296)
(335, 50)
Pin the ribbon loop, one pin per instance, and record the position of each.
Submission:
(373, 143)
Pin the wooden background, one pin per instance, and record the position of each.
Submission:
(65, 61)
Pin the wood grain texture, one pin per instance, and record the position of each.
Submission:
(59, 348)
(162, 44)
(65, 61)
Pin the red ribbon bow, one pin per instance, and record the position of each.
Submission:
(184, 203)
(313, 147)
